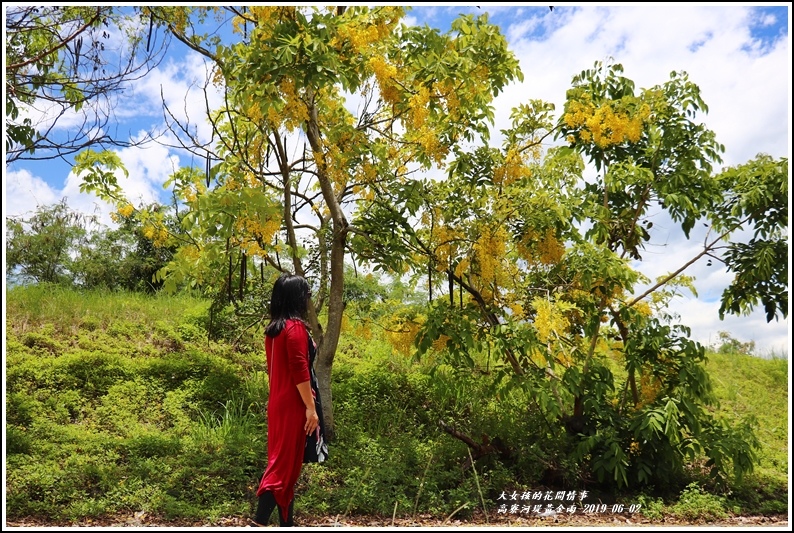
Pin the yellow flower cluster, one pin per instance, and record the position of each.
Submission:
(217, 76)
(127, 210)
(190, 196)
(550, 250)
(453, 107)
(362, 32)
(385, 74)
(513, 169)
(263, 14)
(649, 388)
(231, 183)
(643, 308)
(445, 246)
(476, 85)
(545, 249)
(178, 18)
(273, 117)
(419, 109)
(345, 325)
(251, 230)
(517, 310)
(462, 267)
(336, 165)
(537, 356)
(363, 331)
(606, 124)
(564, 359)
(267, 17)
(548, 320)
(294, 111)
(578, 112)
(370, 172)
(271, 227)
(429, 142)
(157, 234)
(359, 36)
(251, 179)
(191, 253)
(253, 111)
(403, 339)
(252, 249)
(489, 250)
(524, 245)
(440, 343)
(447, 92)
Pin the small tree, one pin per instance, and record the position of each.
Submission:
(728, 345)
(125, 257)
(41, 249)
(528, 260)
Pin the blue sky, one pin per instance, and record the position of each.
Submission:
(739, 55)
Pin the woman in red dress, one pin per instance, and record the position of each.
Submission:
(291, 413)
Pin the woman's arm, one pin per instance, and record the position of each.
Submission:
(312, 420)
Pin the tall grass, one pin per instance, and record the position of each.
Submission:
(235, 421)
(69, 309)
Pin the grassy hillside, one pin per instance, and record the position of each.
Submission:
(758, 389)
(118, 403)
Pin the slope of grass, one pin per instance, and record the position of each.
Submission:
(118, 403)
(757, 389)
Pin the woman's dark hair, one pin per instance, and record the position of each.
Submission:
(289, 299)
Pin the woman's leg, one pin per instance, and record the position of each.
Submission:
(288, 522)
(267, 502)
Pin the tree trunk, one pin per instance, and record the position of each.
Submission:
(330, 338)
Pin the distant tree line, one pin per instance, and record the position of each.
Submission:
(59, 245)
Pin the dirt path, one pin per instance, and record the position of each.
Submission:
(502, 521)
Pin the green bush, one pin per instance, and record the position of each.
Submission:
(90, 373)
(17, 441)
(695, 504)
(652, 508)
(43, 342)
(143, 446)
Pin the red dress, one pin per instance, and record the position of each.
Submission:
(287, 365)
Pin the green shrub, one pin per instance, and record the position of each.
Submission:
(43, 342)
(90, 323)
(33, 488)
(123, 329)
(17, 441)
(21, 409)
(190, 332)
(650, 507)
(167, 338)
(148, 445)
(65, 406)
(696, 504)
(125, 408)
(91, 373)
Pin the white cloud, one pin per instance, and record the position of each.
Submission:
(180, 84)
(24, 192)
(699, 315)
(148, 168)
